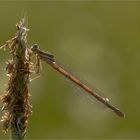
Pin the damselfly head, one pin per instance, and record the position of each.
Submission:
(34, 47)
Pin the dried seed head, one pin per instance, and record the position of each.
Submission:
(16, 105)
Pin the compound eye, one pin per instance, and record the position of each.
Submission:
(35, 46)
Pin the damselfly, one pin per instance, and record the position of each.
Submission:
(49, 58)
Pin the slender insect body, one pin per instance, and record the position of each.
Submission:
(49, 58)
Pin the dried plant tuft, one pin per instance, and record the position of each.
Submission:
(16, 105)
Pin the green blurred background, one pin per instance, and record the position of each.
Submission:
(100, 42)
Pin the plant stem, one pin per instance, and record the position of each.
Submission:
(16, 100)
(20, 81)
